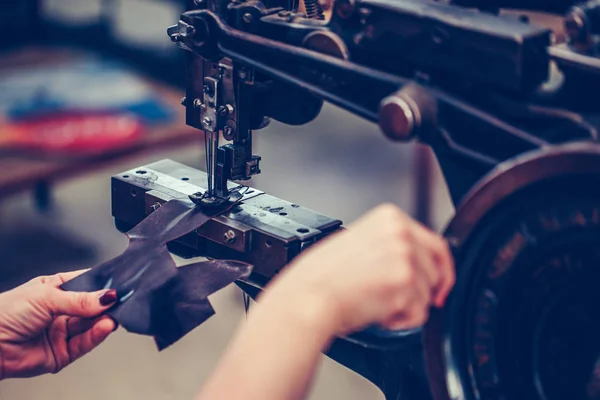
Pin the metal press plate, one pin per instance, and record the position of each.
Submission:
(268, 231)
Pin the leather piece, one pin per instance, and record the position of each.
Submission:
(154, 296)
(183, 304)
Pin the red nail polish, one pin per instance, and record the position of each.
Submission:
(109, 297)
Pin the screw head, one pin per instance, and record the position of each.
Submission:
(227, 131)
(199, 3)
(229, 237)
(242, 74)
(225, 110)
(248, 18)
(207, 121)
(155, 206)
(197, 103)
(183, 100)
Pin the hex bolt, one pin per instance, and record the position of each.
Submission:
(229, 237)
(155, 206)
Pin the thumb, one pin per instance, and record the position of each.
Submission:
(81, 304)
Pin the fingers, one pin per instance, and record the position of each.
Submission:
(80, 304)
(72, 337)
(445, 265)
(77, 325)
(448, 274)
(410, 313)
(424, 263)
(57, 279)
(440, 265)
(404, 320)
(86, 341)
(422, 292)
(67, 276)
(412, 306)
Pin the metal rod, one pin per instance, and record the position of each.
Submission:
(209, 164)
(215, 152)
(422, 175)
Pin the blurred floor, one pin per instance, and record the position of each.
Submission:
(338, 165)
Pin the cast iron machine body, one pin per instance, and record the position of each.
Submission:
(512, 118)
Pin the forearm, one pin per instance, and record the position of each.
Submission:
(275, 355)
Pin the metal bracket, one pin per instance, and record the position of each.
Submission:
(211, 102)
(218, 111)
(228, 109)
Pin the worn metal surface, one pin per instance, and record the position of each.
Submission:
(270, 232)
(456, 102)
(472, 85)
(528, 232)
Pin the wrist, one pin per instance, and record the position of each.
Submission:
(303, 312)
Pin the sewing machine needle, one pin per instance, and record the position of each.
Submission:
(209, 164)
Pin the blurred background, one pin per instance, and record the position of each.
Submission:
(91, 88)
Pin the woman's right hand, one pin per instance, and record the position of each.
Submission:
(386, 269)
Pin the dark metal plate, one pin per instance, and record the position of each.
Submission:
(262, 230)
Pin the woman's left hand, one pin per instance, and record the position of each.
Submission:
(43, 328)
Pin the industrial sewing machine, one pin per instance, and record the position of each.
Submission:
(512, 117)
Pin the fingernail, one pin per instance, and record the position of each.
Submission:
(109, 297)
